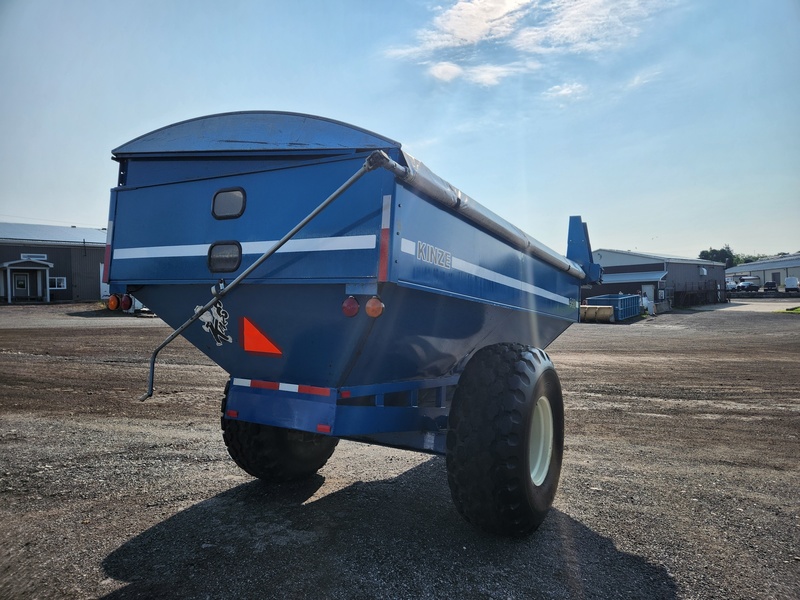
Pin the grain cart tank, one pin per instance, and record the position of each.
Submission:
(351, 293)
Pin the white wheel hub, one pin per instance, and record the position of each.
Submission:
(540, 442)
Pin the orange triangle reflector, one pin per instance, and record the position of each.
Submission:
(254, 340)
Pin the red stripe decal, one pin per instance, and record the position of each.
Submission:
(107, 254)
(265, 385)
(106, 263)
(383, 261)
(315, 391)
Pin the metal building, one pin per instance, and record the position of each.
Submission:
(776, 268)
(46, 263)
(667, 280)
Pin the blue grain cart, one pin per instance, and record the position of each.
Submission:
(351, 293)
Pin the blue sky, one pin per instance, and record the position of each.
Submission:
(671, 126)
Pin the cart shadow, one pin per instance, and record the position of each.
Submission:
(94, 313)
(393, 538)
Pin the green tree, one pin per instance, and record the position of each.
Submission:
(748, 258)
(723, 255)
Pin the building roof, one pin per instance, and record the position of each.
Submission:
(26, 263)
(774, 262)
(660, 257)
(648, 277)
(51, 234)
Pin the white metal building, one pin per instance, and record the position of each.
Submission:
(776, 268)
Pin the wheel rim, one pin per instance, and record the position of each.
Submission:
(540, 443)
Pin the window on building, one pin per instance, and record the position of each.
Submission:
(57, 283)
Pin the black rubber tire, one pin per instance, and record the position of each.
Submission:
(274, 454)
(489, 439)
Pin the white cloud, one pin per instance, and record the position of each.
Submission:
(581, 26)
(472, 22)
(467, 23)
(643, 78)
(486, 75)
(489, 75)
(446, 71)
(567, 91)
(463, 38)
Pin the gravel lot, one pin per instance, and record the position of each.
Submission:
(681, 476)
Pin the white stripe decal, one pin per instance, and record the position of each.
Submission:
(409, 247)
(109, 233)
(283, 387)
(161, 251)
(350, 242)
(386, 211)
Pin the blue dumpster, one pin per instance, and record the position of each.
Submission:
(625, 305)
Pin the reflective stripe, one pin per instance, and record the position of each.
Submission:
(161, 252)
(386, 211)
(282, 387)
(349, 242)
(409, 247)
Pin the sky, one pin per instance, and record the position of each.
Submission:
(670, 126)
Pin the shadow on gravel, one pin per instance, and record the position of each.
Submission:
(93, 313)
(398, 538)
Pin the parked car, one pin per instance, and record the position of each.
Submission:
(730, 285)
(747, 286)
(791, 284)
(770, 286)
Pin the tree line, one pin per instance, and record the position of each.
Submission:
(730, 258)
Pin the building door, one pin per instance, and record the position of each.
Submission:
(21, 285)
(650, 292)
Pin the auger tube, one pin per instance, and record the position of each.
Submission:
(418, 176)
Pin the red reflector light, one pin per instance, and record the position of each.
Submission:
(126, 302)
(323, 428)
(350, 307)
(232, 413)
(374, 307)
(113, 302)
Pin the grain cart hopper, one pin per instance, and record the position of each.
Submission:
(351, 293)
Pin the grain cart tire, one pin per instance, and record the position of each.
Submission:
(274, 454)
(505, 440)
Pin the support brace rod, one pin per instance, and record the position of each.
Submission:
(372, 162)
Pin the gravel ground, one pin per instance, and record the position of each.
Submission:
(680, 479)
